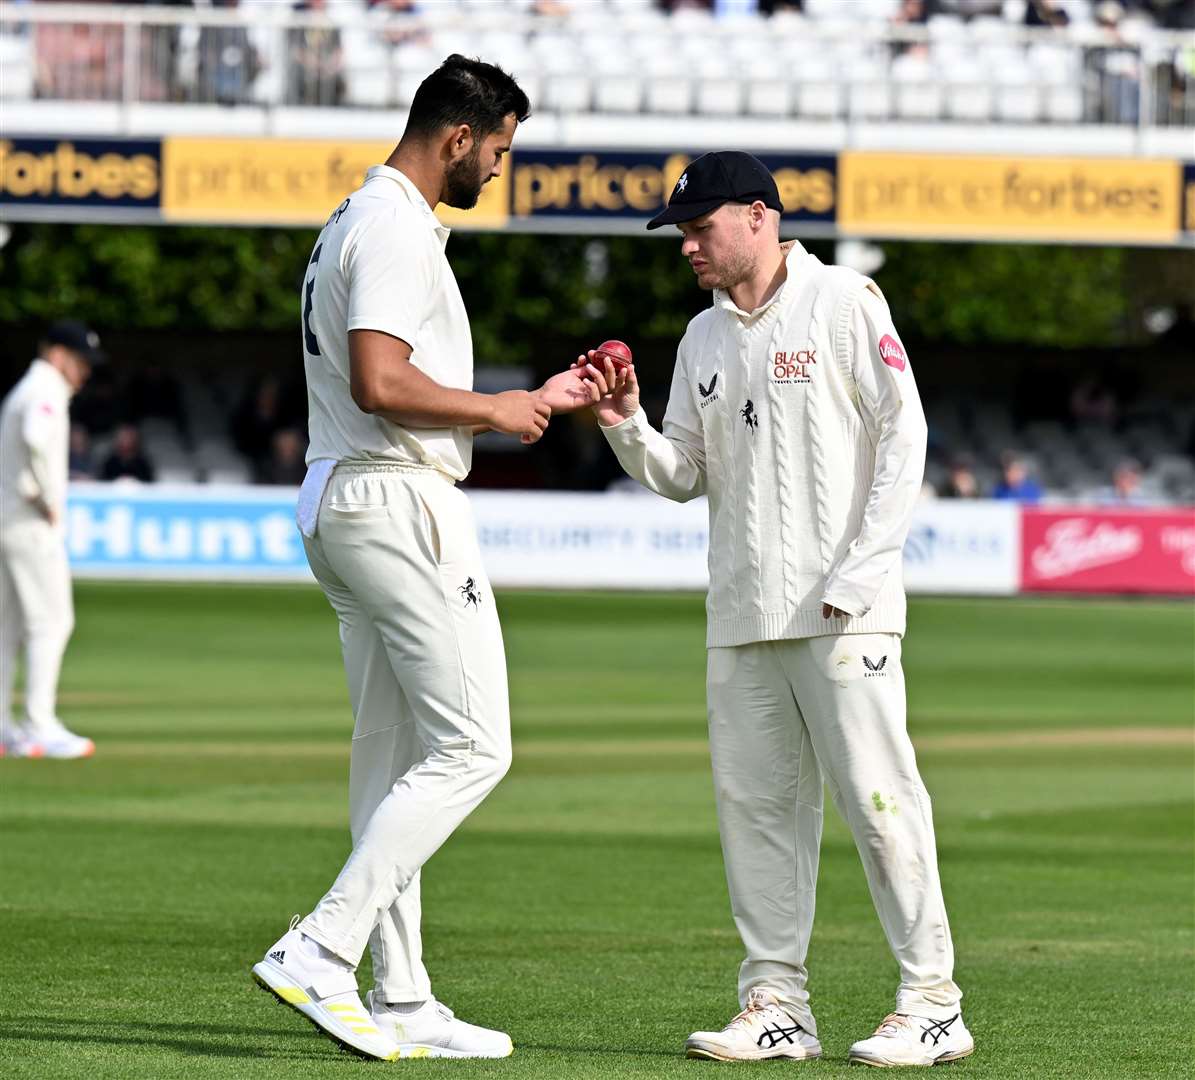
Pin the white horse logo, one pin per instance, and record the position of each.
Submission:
(682, 183)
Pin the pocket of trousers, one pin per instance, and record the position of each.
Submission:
(431, 528)
(349, 513)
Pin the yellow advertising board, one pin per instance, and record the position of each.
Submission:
(286, 182)
(1130, 200)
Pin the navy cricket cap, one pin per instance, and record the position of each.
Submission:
(713, 179)
(78, 337)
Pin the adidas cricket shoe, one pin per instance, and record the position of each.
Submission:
(15, 742)
(762, 1030)
(58, 741)
(433, 1031)
(324, 991)
(914, 1040)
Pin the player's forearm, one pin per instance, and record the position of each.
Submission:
(404, 395)
(659, 463)
(855, 581)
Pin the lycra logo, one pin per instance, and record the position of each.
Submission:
(794, 367)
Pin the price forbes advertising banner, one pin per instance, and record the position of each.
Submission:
(1108, 551)
(278, 181)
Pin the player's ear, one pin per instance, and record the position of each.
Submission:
(459, 141)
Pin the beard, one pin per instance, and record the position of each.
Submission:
(463, 182)
(738, 266)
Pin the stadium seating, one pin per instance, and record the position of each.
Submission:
(626, 56)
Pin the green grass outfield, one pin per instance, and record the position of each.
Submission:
(583, 907)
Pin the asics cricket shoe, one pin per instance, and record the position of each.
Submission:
(298, 973)
(914, 1040)
(762, 1030)
(433, 1031)
(15, 742)
(58, 741)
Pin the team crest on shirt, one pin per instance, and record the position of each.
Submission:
(794, 366)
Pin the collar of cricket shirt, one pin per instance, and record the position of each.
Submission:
(793, 253)
(414, 194)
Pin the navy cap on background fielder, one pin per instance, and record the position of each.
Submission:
(76, 336)
(713, 179)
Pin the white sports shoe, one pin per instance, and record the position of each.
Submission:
(16, 743)
(57, 741)
(762, 1030)
(914, 1040)
(433, 1031)
(325, 992)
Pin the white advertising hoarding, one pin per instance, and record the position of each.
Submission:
(565, 540)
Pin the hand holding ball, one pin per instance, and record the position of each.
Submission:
(617, 352)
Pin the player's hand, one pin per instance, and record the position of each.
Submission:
(45, 509)
(618, 388)
(522, 413)
(829, 611)
(568, 392)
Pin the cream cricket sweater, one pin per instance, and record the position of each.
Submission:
(802, 423)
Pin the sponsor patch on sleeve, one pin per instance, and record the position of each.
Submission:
(893, 353)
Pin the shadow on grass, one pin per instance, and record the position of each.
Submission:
(198, 1039)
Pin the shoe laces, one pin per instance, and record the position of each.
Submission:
(755, 1004)
(893, 1024)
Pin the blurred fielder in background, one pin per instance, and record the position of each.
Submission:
(35, 580)
(794, 409)
(391, 540)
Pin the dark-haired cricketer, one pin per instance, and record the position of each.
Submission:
(391, 540)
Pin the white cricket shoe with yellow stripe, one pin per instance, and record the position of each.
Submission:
(432, 1031)
(325, 992)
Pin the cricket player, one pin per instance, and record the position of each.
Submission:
(793, 407)
(389, 363)
(36, 611)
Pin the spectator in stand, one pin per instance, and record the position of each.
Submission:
(285, 465)
(258, 417)
(316, 70)
(127, 460)
(228, 62)
(80, 462)
(1046, 13)
(1017, 484)
(79, 61)
(961, 482)
(913, 13)
(1126, 486)
(1118, 70)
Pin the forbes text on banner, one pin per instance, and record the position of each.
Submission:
(1132, 200)
(121, 175)
(1109, 551)
(196, 532)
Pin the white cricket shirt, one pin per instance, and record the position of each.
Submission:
(379, 264)
(34, 444)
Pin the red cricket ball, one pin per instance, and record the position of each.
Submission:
(617, 352)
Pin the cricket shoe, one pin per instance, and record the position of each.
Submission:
(914, 1040)
(762, 1030)
(16, 743)
(58, 741)
(433, 1031)
(323, 990)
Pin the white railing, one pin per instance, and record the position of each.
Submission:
(599, 59)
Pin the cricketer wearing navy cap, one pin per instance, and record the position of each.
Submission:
(716, 178)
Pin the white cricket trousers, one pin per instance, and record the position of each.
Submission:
(36, 610)
(784, 716)
(396, 554)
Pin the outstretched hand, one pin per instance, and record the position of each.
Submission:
(568, 391)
